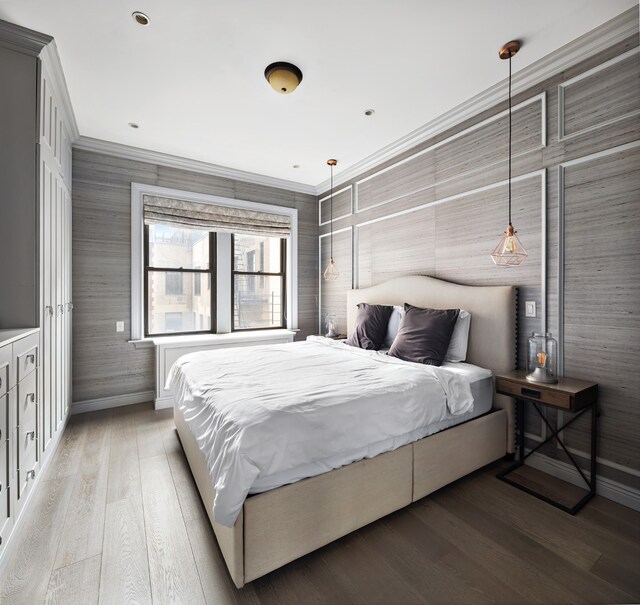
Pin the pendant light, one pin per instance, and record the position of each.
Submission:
(331, 272)
(509, 252)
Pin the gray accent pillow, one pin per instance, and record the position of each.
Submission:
(424, 335)
(371, 326)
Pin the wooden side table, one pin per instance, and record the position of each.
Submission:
(568, 395)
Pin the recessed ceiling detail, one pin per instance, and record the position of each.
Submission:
(140, 18)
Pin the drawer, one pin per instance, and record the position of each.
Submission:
(27, 399)
(4, 481)
(6, 356)
(26, 352)
(535, 392)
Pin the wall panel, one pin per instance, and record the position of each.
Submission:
(602, 293)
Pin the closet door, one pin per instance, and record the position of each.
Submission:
(60, 304)
(69, 302)
(47, 207)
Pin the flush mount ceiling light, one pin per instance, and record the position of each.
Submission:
(509, 252)
(140, 18)
(283, 77)
(331, 273)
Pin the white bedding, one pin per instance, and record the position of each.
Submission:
(262, 412)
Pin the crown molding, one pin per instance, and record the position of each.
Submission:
(174, 161)
(21, 39)
(606, 35)
(51, 58)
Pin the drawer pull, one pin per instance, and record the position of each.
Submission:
(49, 309)
(31, 358)
(31, 397)
(530, 393)
(0, 487)
(31, 435)
(0, 381)
(31, 475)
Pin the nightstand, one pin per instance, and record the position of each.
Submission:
(568, 395)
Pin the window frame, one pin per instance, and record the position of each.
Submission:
(212, 271)
(222, 281)
(282, 273)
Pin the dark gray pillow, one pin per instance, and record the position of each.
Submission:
(424, 335)
(371, 326)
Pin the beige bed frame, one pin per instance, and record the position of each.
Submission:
(281, 525)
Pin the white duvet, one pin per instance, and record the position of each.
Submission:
(259, 411)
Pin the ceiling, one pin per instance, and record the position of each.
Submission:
(193, 79)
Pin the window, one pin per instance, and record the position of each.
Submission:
(175, 260)
(174, 244)
(259, 278)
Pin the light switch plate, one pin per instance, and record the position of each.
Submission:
(530, 308)
(119, 326)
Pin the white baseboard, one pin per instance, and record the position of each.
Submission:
(16, 530)
(102, 403)
(164, 402)
(622, 494)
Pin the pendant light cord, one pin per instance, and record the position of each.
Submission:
(331, 217)
(509, 138)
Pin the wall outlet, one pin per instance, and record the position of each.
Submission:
(119, 326)
(530, 308)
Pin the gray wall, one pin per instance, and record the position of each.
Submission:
(19, 304)
(439, 210)
(104, 363)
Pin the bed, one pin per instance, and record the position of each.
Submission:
(277, 525)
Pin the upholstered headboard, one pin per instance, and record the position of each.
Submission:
(492, 336)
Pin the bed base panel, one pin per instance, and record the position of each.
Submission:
(281, 525)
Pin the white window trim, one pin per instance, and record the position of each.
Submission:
(138, 190)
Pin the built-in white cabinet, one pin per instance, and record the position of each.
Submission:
(36, 126)
(19, 426)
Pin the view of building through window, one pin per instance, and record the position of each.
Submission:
(178, 294)
(258, 282)
(180, 272)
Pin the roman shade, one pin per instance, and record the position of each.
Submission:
(211, 217)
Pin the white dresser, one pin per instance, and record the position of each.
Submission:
(19, 426)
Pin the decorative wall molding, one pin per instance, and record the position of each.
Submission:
(610, 33)
(622, 494)
(541, 98)
(116, 401)
(335, 218)
(542, 174)
(321, 268)
(561, 233)
(173, 161)
(562, 87)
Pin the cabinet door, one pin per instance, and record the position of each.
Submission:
(47, 213)
(59, 337)
(69, 303)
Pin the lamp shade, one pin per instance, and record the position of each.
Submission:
(284, 78)
(509, 252)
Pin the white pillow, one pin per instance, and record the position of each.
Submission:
(394, 323)
(457, 350)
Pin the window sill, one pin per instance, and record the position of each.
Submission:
(205, 339)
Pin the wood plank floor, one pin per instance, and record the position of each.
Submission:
(118, 519)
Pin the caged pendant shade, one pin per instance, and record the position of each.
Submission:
(331, 273)
(509, 252)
